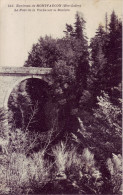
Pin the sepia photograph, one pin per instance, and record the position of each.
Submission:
(61, 97)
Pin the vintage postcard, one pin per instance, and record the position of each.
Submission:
(60, 97)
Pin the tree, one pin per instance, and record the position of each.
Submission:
(44, 53)
(78, 44)
(106, 59)
(96, 79)
(113, 53)
(81, 50)
(68, 57)
(106, 22)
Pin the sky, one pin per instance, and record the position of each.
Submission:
(19, 30)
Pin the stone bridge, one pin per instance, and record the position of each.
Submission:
(12, 76)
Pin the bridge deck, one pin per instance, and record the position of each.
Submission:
(24, 71)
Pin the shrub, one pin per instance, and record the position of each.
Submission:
(114, 165)
(21, 174)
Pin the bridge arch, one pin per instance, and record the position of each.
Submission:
(13, 85)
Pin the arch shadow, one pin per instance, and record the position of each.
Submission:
(19, 80)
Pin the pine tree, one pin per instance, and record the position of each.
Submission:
(69, 30)
(106, 22)
(113, 53)
(79, 26)
(78, 46)
(106, 59)
(81, 52)
(98, 59)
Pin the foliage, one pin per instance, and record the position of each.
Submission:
(67, 56)
(102, 134)
(20, 174)
(3, 123)
(115, 167)
(44, 53)
(102, 131)
(106, 59)
(84, 104)
(65, 169)
(96, 81)
(113, 52)
(19, 104)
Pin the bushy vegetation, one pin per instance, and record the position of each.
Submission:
(67, 138)
(70, 166)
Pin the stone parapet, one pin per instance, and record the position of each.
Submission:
(25, 71)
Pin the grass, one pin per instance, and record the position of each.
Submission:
(20, 174)
(24, 174)
(26, 168)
